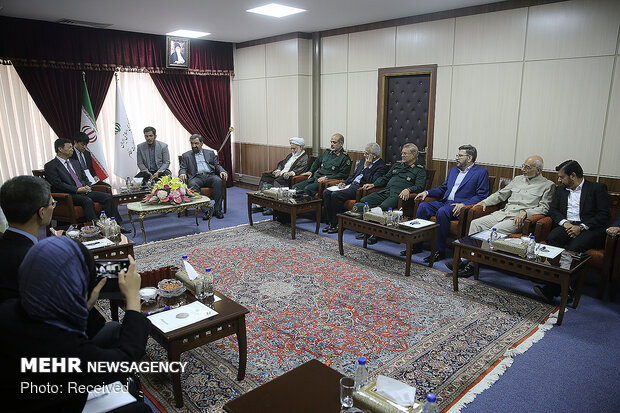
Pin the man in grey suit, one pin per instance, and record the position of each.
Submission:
(153, 156)
(200, 167)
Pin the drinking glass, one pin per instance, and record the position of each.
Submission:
(347, 386)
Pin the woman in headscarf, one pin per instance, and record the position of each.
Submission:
(57, 285)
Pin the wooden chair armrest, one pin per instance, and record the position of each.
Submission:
(542, 228)
(296, 179)
(366, 192)
(326, 184)
(477, 212)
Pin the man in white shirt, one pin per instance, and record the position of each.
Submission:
(580, 213)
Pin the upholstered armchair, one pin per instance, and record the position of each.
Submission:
(65, 210)
(207, 191)
(602, 260)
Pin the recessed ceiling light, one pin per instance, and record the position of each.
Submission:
(275, 10)
(192, 34)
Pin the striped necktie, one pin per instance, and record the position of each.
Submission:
(73, 175)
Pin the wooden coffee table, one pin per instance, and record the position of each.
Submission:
(310, 388)
(122, 247)
(229, 320)
(143, 209)
(401, 234)
(562, 270)
(291, 206)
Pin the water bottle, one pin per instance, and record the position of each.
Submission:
(114, 229)
(128, 183)
(366, 209)
(208, 282)
(493, 237)
(430, 406)
(361, 373)
(531, 249)
(390, 218)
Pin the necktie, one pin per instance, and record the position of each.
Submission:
(82, 161)
(73, 175)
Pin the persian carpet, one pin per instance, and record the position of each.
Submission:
(306, 301)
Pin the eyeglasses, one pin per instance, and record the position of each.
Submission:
(526, 167)
(458, 155)
(54, 203)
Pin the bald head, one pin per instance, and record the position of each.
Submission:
(532, 166)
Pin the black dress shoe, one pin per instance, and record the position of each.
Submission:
(544, 293)
(333, 229)
(327, 228)
(414, 250)
(218, 215)
(359, 235)
(372, 240)
(268, 211)
(257, 209)
(467, 271)
(450, 266)
(125, 230)
(438, 256)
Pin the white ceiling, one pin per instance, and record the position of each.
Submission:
(226, 20)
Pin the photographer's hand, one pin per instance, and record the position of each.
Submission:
(94, 295)
(129, 284)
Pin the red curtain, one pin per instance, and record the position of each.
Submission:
(202, 106)
(62, 46)
(58, 94)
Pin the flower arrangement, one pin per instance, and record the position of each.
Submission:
(169, 190)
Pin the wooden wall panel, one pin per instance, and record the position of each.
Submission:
(251, 159)
(613, 184)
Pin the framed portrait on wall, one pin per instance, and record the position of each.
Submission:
(177, 49)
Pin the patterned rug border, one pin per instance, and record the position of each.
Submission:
(489, 375)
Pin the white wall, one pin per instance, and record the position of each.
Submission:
(541, 79)
(272, 97)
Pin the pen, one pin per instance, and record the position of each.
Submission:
(159, 310)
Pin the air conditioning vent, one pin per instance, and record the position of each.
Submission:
(83, 23)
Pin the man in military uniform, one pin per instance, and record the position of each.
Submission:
(526, 195)
(403, 179)
(332, 164)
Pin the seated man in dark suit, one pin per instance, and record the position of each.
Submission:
(84, 157)
(366, 172)
(466, 184)
(28, 206)
(66, 175)
(580, 212)
(200, 167)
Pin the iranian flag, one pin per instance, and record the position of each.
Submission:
(124, 147)
(88, 125)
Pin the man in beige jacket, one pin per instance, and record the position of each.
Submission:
(526, 195)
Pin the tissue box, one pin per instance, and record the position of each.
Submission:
(510, 247)
(182, 276)
(380, 218)
(270, 193)
(367, 398)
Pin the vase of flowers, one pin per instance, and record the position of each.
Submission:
(169, 190)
